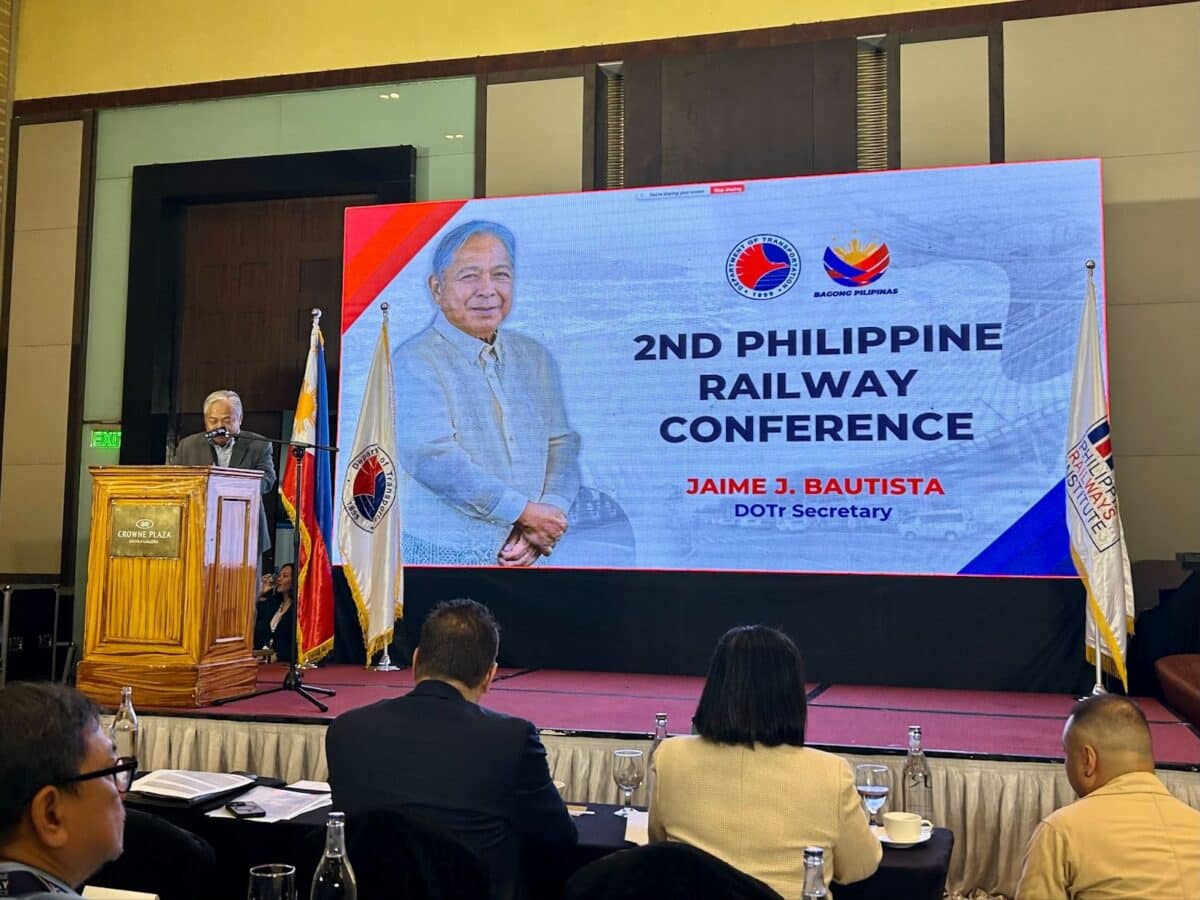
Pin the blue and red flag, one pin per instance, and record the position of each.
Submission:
(314, 594)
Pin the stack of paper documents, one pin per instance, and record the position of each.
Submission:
(91, 892)
(279, 804)
(313, 787)
(181, 784)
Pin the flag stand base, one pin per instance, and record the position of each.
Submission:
(385, 663)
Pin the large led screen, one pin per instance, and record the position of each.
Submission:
(856, 373)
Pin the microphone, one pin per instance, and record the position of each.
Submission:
(216, 432)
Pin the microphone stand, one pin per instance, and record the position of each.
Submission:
(293, 680)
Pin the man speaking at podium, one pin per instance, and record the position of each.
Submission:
(223, 443)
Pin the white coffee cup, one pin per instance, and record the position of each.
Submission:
(903, 827)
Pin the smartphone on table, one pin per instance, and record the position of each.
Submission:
(245, 809)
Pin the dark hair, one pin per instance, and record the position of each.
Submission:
(459, 640)
(291, 589)
(754, 692)
(43, 740)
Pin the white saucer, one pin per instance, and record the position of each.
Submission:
(878, 831)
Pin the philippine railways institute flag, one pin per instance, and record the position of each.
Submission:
(1093, 520)
(314, 595)
(370, 527)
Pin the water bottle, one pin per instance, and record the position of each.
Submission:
(918, 785)
(124, 728)
(660, 732)
(334, 879)
(814, 874)
(660, 735)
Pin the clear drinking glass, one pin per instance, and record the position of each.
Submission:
(873, 784)
(628, 773)
(276, 881)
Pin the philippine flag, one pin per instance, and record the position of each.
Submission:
(314, 596)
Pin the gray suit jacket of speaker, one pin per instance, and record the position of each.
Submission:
(250, 451)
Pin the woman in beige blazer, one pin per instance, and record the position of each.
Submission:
(745, 788)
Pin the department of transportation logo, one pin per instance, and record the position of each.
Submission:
(856, 265)
(372, 488)
(763, 267)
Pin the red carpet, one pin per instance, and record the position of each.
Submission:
(1055, 706)
(989, 724)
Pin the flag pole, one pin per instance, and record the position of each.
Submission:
(1098, 687)
(316, 323)
(385, 659)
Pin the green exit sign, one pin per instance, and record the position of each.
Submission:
(106, 438)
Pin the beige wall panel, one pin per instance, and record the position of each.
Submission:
(1155, 407)
(1159, 498)
(944, 103)
(1118, 83)
(43, 287)
(535, 137)
(48, 164)
(1148, 248)
(35, 409)
(1145, 179)
(31, 518)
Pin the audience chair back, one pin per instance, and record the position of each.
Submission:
(398, 855)
(161, 858)
(667, 871)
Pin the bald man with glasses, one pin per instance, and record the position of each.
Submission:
(61, 785)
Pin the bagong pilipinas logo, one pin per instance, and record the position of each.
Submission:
(763, 267)
(856, 265)
(371, 488)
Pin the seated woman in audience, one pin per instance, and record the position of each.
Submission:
(745, 788)
(275, 613)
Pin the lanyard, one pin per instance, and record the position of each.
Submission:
(19, 882)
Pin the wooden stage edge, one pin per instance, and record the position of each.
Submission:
(847, 719)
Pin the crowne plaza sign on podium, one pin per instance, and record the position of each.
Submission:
(143, 529)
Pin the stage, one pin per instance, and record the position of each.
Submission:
(996, 757)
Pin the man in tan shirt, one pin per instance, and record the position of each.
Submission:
(1125, 836)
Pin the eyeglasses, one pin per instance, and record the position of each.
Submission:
(122, 774)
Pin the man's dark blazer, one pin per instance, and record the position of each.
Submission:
(250, 451)
(479, 774)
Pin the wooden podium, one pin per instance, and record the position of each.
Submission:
(171, 584)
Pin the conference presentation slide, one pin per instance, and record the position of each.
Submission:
(863, 373)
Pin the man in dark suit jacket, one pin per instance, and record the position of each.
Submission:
(235, 449)
(438, 754)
